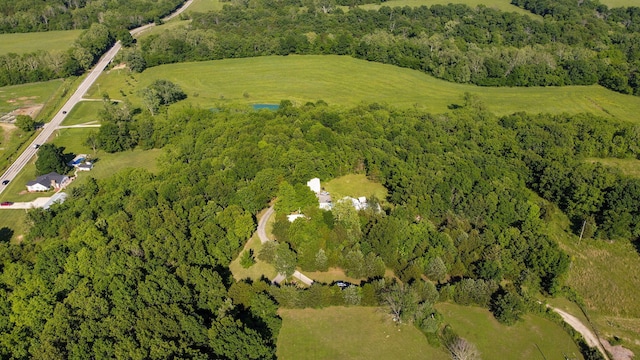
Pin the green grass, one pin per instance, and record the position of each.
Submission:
(17, 96)
(630, 167)
(260, 268)
(502, 5)
(168, 26)
(255, 271)
(620, 3)
(354, 185)
(350, 333)
(333, 274)
(84, 112)
(16, 221)
(205, 6)
(606, 274)
(29, 42)
(527, 339)
(346, 81)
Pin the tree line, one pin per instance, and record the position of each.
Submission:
(21, 16)
(454, 42)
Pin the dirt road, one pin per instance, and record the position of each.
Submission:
(587, 334)
(262, 234)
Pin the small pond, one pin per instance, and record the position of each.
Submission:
(272, 107)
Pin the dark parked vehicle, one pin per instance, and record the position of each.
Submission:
(5, 182)
(342, 284)
(6, 203)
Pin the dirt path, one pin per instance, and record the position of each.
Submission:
(587, 334)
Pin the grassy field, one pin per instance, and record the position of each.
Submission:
(30, 42)
(350, 333)
(15, 220)
(18, 96)
(346, 81)
(620, 3)
(354, 185)
(502, 5)
(205, 6)
(534, 338)
(84, 112)
(630, 167)
(607, 276)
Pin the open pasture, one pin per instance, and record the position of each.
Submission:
(23, 43)
(347, 81)
(350, 333)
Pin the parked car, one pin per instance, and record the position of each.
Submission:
(36, 146)
(342, 284)
(6, 203)
(5, 182)
(64, 112)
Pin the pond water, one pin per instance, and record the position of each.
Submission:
(272, 107)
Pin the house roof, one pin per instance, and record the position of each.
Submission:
(45, 180)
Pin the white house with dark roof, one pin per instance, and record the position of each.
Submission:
(46, 182)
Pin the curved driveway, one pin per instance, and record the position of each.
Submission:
(262, 234)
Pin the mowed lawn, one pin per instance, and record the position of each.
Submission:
(354, 185)
(347, 81)
(502, 5)
(30, 42)
(336, 333)
(620, 3)
(534, 338)
(84, 112)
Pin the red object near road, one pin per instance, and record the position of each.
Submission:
(6, 203)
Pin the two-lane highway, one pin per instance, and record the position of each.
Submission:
(48, 128)
(45, 133)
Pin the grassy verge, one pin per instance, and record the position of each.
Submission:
(84, 112)
(630, 167)
(533, 338)
(16, 189)
(350, 333)
(354, 185)
(346, 81)
(30, 42)
(620, 3)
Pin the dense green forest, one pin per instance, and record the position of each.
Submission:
(136, 266)
(20, 16)
(577, 43)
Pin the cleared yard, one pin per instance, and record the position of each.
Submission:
(629, 167)
(350, 333)
(354, 185)
(23, 43)
(346, 81)
(534, 338)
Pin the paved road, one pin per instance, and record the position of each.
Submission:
(262, 234)
(47, 130)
